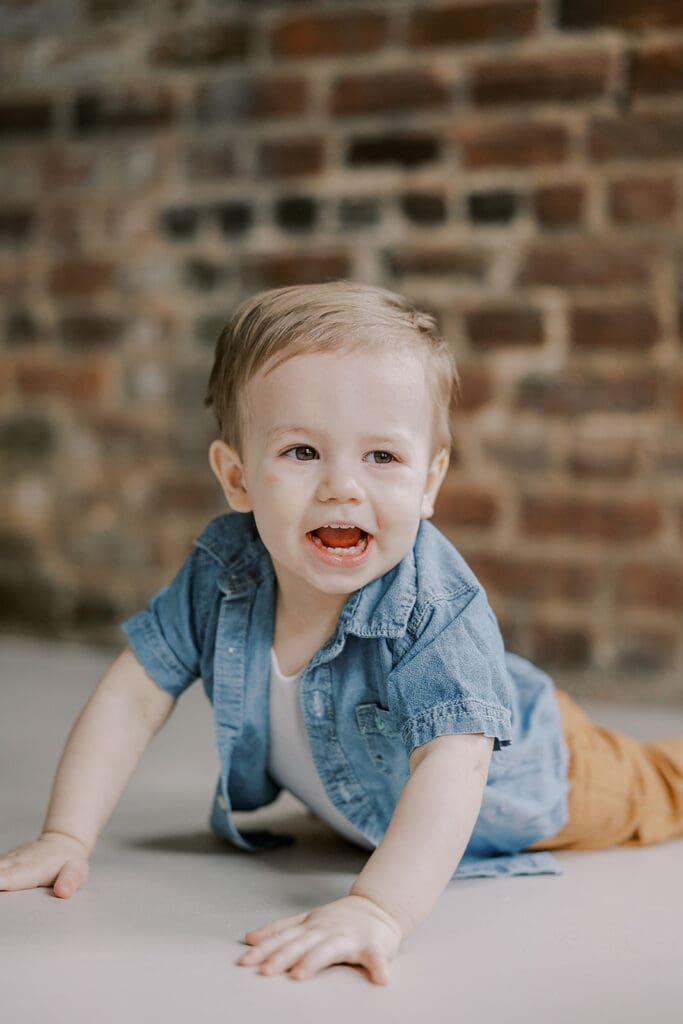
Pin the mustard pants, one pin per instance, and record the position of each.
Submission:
(623, 792)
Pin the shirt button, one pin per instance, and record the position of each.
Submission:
(231, 650)
(221, 802)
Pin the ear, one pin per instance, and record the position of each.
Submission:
(227, 465)
(435, 475)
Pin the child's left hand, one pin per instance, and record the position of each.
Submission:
(351, 930)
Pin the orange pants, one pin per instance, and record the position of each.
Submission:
(623, 792)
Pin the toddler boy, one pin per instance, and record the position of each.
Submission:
(349, 652)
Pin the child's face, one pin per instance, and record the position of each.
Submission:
(317, 428)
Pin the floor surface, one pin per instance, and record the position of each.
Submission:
(155, 933)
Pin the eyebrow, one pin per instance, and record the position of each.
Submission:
(395, 437)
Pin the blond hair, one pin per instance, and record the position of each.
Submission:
(341, 314)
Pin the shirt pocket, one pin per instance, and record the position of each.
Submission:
(380, 735)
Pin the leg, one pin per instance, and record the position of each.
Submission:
(622, 791)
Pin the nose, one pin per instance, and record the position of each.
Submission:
(339, 483)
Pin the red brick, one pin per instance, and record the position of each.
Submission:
(590, 518)
(385, 92)
(657, 68)
(471, 23)
(331, 35)
(657, 586)
(197, 45)
(504, 327)
(576, 392)
(64, 166)
(642, 199)
(556, 646)
(81, 277)
(555, 78)
(642, 136)
(298, 267)
(584, 261)
(477, 387)
(44, 376)
(559, 205)
(186, 493)
(252, 98)
(517, 144)
(539, 579)
(632, 328)
(459, 261)
(461, 504)
(678, 398)
(290, 157)
(600, 459)
(635, 15)
(210, 161)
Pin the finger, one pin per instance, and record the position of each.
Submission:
(256, 934)
(21, 876)
(335, 950)
(283, 958)
(377, 966)
(267, 946)
(70, 878)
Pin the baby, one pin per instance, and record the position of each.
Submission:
(348, 650)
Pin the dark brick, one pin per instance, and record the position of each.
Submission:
(186, 493)
(635, 15)
(590, 518)
(477, 387)
(296, 213)
(582, 261)
(25, 117)
(287, 158)
(207, 330)
(16, 225)
(504, 327)
(27, 436)
(329, 35)
(561, 647)
(80, 277)
(518, 144)
(519, 456)
(128, 110)
(386, 92)
(423, 207)
(460, 261)
(461, 504)
(640, 651)
(498, 206)
(603, 460)
(358, 212)
(210, 161)
(180, 222)
(21, 327)
(540, 579)
(471, 23)
(559, 206)
(295, 267)
(574, 393)
(234, 217)
(407, 150)
(197, 45)
(642, 199)
(657, 68)
(655, 585)
(642, 136)
(88, 330)
(252, 99)
(632, 328)
(557, 78)
(203, 274)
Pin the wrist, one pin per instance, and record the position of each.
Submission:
(378, 910)
(87, 849)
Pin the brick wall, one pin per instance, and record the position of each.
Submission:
(513, 165)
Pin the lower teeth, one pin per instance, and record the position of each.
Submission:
(360, 546)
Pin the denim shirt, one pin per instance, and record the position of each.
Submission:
(416, 653)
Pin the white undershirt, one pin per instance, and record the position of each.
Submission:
(290, 762)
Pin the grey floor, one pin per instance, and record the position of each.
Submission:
(156, 932)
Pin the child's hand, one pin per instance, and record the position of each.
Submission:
(52, 858)
(351, 930)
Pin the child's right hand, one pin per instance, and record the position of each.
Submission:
(52, 859)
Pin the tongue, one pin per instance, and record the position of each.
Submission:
(339, 536)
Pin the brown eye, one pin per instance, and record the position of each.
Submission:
(307, 457)
(385, 458)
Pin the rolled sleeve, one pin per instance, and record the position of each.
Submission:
(164, 636)
(453, 678)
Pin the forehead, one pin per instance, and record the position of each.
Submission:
(370, 385)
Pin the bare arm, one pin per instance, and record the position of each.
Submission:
(402, 880)
(105, 745)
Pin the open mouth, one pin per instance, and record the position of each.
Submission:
(340, 540)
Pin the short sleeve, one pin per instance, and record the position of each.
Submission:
(165, 636)
(453, 676)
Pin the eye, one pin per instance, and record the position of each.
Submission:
(307, 457)
(385, 459)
